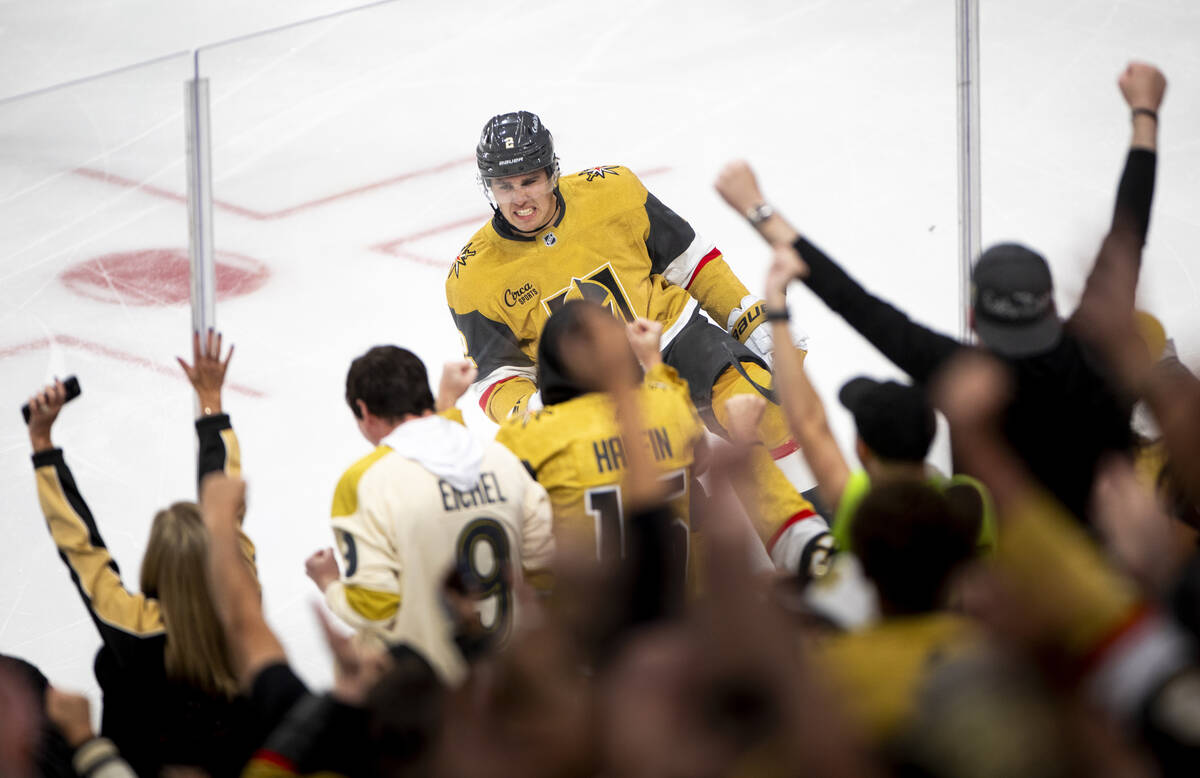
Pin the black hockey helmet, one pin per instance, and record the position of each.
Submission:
(514, 143)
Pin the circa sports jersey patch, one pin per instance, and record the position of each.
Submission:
(593, 173)
(520, 295)
(549, 239)
(461, 260)
(600, 286)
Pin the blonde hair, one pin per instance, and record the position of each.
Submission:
(174, 572)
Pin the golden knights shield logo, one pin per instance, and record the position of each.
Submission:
(600, 286)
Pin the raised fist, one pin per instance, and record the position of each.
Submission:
(457, 377)
(71, 713)
(786, 265)
(645, 336)
(737, 184)
(1142, 86)
(322, 568)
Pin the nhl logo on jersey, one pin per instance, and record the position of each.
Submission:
(549, 239)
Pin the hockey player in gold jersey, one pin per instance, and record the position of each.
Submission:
(427, 501)
(574, 448)
(599, 235)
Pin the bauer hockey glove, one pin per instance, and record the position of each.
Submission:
(748, 322)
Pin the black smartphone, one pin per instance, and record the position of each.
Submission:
(72, 387)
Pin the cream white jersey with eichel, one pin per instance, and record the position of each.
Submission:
(402, 527)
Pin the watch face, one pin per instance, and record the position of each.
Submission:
(760, 213)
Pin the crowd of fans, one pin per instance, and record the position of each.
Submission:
(1034, 613)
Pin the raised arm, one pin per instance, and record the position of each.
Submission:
(1113, 280)
(219, 450)
(233, 587)
(457, 378)
(801, 405)
(1131, 659)
(123, 618)
(915, 349)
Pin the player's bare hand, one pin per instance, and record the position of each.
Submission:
(322, 568)
(71, 713)
(972, 390)
(457, 378)
(357, 668)
(207, 371)
(786, 266)
(1142, 86)
(645, 336)
(43, 410)
(738, 186)
(743, 412)
(222, 501)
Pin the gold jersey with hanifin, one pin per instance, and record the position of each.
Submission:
(574, 450)
(613, 242)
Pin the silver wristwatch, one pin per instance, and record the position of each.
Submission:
(759, 213)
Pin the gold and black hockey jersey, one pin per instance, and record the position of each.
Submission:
(613, 242)
(149, 716)
(575, 451)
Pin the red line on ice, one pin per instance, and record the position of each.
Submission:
(250, 213)
(392, 247)
(70, 341)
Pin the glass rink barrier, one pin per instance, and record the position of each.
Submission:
(343, 173)
(94, 282)
(343, 186)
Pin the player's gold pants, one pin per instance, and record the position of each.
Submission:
(772, 500)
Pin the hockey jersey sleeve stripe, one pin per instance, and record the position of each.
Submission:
(506, 397)
(487, 393)
(345, 496)
(370, 604)
(99, 758)
(233, 463)
(709, 257)
(92, 568)
(808, 513)
(683, 266)
(680, 322)
(218, 447)
(789, 446)
(668, 237)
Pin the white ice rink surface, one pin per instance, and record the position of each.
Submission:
(342, 170)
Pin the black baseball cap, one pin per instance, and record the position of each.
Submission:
(895, 420)
(1013, 298)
